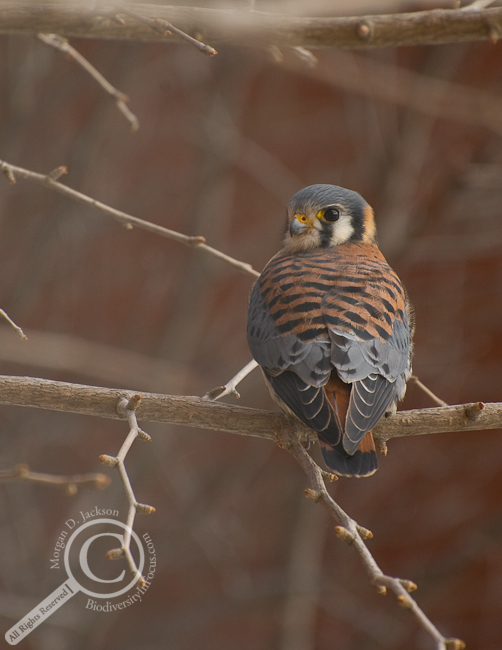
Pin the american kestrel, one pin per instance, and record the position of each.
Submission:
(329, 322)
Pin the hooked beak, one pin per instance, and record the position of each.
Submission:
(296, 226)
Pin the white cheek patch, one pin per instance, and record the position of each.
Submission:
(342, 230)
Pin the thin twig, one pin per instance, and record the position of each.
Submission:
(164, 27)
(50, 181)
(60, 43)
(353, 534)
(230, 387)
(68, 483)
(126, 407)
(477, 5)
(16, 327)
(306, 56)
(437, 400)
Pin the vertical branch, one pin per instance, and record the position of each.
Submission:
(127, 407)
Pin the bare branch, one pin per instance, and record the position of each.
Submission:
(50, 181)
(126, 407)
(165, 28)
(230, 387)
(354, 535)
(203, 414)
(437, 400)
(244, 27)
(16, 327)
(61, 44)
(68, 483)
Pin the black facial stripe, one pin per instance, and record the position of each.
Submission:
(326, 232)
(357, 221)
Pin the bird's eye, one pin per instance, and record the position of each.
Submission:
(331, 214)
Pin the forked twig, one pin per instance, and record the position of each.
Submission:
(69, 483)
(353, 534)
(230, 387)
(60, 43)
(126, 407)
(50, 181)
(16, 327)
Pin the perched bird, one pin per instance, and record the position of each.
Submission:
(329, 322)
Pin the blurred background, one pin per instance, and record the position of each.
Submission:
(243, 560)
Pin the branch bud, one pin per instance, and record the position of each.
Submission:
(364, 31)
(143, 435)
(111, 461)
(473, 411)
(101, 481)
(71, 489)
(22, 470)
(381, 446)
(364, 532)
(314, 495)
(405, 602)
(144, 509)
(115, 554)
(57, 173)
(133, 402)
(343, 534)
(8, 173)
(409, 585)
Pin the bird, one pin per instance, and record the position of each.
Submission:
(331, 326)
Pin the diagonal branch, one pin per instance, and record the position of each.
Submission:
(61, 44)
(50, 181)
(257, 28)
(165, 28)
(354, 535)
(203, 414)
(13, 324)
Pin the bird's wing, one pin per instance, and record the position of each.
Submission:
(286, 330)
(288, 338)
(369, 330)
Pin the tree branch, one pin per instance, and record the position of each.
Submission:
(353, 534)
(255, 27)
(203, 414)
(50, 181)
(61, 44)
(70, 484)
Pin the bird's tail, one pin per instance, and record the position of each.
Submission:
(363, 462)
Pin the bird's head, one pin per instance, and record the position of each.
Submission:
(326, 215)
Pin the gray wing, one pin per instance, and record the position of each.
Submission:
(275, 352)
